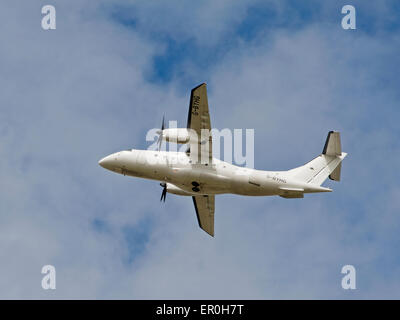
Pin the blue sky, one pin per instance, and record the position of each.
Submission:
(109, 72)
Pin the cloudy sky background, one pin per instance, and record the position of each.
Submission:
(112, 69)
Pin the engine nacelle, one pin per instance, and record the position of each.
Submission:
(176, 135)
(171, 188)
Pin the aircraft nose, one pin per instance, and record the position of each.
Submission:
(101, 162)
(107, 162)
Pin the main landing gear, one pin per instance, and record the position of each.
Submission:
(195, 186)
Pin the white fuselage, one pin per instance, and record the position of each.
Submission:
(185, 178)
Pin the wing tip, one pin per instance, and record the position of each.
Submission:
(190, 103)
(200, 85)
(209, 232)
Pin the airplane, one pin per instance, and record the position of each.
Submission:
(197, 174)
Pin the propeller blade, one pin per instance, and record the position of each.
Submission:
(164, 192)
(161, 133)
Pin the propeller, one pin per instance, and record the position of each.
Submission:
(160, 134)
(164, 192)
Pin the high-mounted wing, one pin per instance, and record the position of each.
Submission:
(200, 151)
(204, 205)
(199, 121)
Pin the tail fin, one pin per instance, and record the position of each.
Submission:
(328, 164)
(332, 146)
